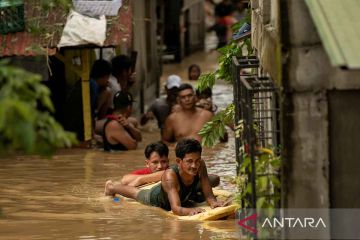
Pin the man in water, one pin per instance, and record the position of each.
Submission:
(156, 162)
(119, 133)
(178, 184)
(188, 120)
(161, 108)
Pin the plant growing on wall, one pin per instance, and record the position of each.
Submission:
(23, 126)
(215, 129)
(267, 164)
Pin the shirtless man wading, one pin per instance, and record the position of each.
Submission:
(188, 120)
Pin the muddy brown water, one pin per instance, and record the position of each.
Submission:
(62, 197)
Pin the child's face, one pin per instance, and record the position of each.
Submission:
(194, 73)
(206, 104)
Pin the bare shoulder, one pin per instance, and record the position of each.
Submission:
(206, 113)
(114, 125)
(169, 179)
(172, 116)
(169, 174)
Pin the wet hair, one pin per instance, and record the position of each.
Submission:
(187, 145)
(205, 93)
(119, 64)
(185, 86)
(158, 147)
(100, 68)
(194, 66)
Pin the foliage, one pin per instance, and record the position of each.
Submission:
(23, 127)
(39, 26)
(267, 182)
(51, 4)
(224, 70)
(267, 165)
(215, 129)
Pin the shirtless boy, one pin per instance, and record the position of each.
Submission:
(119, 133)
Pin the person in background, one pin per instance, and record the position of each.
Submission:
(194, 72)
(162, 107)
(99, 94)
(188, 120)
(124, 78)
(204, 100)
(224, 12)
(118, 132)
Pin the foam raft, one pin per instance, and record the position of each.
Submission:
(209, 214)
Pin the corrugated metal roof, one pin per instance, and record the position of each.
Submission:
(338, 24)
(119, 30)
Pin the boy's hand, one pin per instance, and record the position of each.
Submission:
(195, 211)
(216, 204)
(123, 121)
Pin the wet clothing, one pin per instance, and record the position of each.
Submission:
(108, 146)
(156, 196)
(142, 171)
(161, 109)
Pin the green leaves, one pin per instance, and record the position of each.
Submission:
(214, 130)
(225, 61)
(23, 127)
(205, 80)
(267, 179)
(224, 72)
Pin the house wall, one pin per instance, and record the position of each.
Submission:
(193, 26)
(184, 28)
(320, 152)
(148, 69)
(265, 36)
(313, 87)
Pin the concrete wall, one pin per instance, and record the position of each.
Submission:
(265, 36)
(184, 27)
(311, 130)
(193, 26)
(148, 60)
(319, 106)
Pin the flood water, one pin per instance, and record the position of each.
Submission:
(62, 197)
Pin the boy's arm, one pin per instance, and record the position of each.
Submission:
(170, 185)
(121, 136)
(138, 180)
(146, 117)
(206, 187)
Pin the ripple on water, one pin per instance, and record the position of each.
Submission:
(62, 197)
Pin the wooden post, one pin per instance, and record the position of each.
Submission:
(85, 87)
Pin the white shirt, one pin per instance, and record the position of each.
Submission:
(113, 87)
